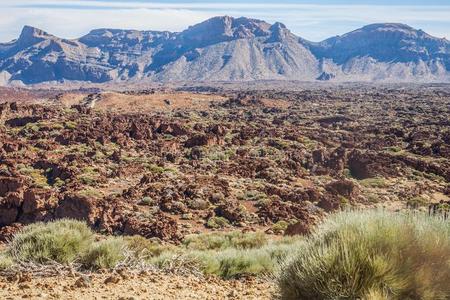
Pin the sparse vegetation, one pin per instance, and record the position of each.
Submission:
(229, 260)
(227, 255)
(189, 175)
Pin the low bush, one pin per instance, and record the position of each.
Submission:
(375, 182)
(228, 259)
(60, 242)
(105, 254)
(143, 248)
(280, 227)
(6, 261)
(371, 255)
(217, 223)
(214, 241)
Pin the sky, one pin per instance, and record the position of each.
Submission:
(314, 20)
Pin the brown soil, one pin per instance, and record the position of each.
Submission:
(134, 286)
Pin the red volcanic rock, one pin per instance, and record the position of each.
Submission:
(345, 188)
(78, 207)
(38, 205)
(336, 160)
(11, 147)
(11, 196)
(172, 129)
(231, 211)
(275, 211)
(218, 130)
(293, 195)
(8, 215)
(13, 199)
(203, 140)
(8, 184)
(299, 228)
(364, 165)
(140, 131)
(162, 227)
(318, 155)
(8, 232)
(329, 203)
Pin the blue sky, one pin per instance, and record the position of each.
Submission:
(313, 20)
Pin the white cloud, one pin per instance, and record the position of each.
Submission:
(72, 19)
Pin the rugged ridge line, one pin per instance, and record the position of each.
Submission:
(226, 49)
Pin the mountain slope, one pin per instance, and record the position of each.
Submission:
(226, 49)
(386, 52)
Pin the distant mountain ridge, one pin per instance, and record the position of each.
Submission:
(226, 49)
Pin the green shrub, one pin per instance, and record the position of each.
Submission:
(145, 248)
(227, 261)
(417, 201)
(214, 241)
(70, 125)
(146, 201)
(371, 255)
(60, 241)
(217, 223)
(105, 254)
(37, 176)
(376, 182)
(6, 261)
(280, 227)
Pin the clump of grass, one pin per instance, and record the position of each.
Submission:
(105, 254)
(60, 242)
(145, 248)
(376, 182)
(70, 125)
(230, 262)
(217, 223)
(214, 241)
(146, 201)
(371, 255)
(6, 261)
(37, 176)
(280, 227)
(417, 201)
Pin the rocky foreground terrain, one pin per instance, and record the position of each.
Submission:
(166, 163)
(129, 286)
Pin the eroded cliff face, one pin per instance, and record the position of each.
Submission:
(226, 49)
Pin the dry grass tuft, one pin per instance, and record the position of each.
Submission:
(371, 255)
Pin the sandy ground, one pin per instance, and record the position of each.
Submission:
(128, 286)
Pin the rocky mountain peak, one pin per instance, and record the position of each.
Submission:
(397, 29)
(30, 31)
(225, 28)
(278, 32)
(31, 35)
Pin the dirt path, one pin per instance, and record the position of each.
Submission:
(133, 286)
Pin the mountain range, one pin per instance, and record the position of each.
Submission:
(226, 49)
